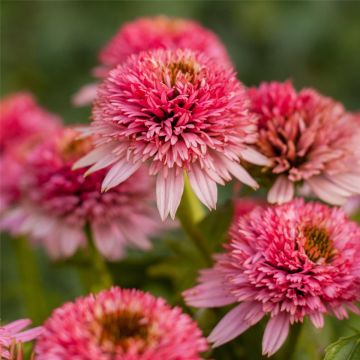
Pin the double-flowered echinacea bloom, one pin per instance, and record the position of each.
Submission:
(120, 324)
(57, 203)
(21, 119)
(22, 122)
(289, 262)
(13, 335)
(310, 139)
(145, 34)
(181, 111)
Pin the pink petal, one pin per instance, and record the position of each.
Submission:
(106, 161)
(350, 182)
(317, 319)
(240, 173)
(276, 332)
(254, 157)
(109, 240)
(325, 191)
(282, 191)
(94, 156)
(121, 171)
(169, 191)
(235, 322)
(29, 335)
(211, 293)
(204, 187)
(17, 325)
(86, 95)
(70, 239)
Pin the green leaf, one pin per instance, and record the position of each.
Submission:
(346, 348)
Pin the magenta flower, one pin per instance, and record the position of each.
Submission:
(310, 139)
(57, 203)
(181, 111)
(12, 335)
(120, 324)
(288, 261)
(23, 123)
(154, 33)
(22, 118)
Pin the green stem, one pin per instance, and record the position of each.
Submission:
(290, 346)
(95, 275)
(190, 212)
(31, 285)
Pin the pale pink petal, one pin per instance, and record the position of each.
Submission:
(70, 239)
(169, 191)
(29, 335)
(17, 325)
(317, 319)
(209, 295)
(121, 171)
(135, 236)
(282, 191)
(275, 334)
(348, 181)
(253, 156)
(325, 191)
(235, 322)
(106, 161)
(109, 240)
(86, 95)
(94, 156)
(240, 173)
(204, 187)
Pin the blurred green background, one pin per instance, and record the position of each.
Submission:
(49, 48)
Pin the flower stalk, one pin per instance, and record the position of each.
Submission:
(96, 276)
(190, 212)
(32, 289)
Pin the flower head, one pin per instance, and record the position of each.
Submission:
(57, 202)
(22, 118)
(287, 261)
(12, 336)
(147, 34)
(159, 32)
(310, 139)
(181, 111)
(120, 324)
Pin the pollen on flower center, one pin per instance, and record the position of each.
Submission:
(117, 329)
(185, 67)
(318, 243)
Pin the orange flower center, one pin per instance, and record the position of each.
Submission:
(185, 67)
(318, 243)
(122, 329)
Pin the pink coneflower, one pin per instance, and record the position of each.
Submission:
(120, 324)
(57, 203)
(12, 334)
(184, 113)
(145, 34)
(160, 32)
(310, 139)
(287, 261)
(22, 118)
